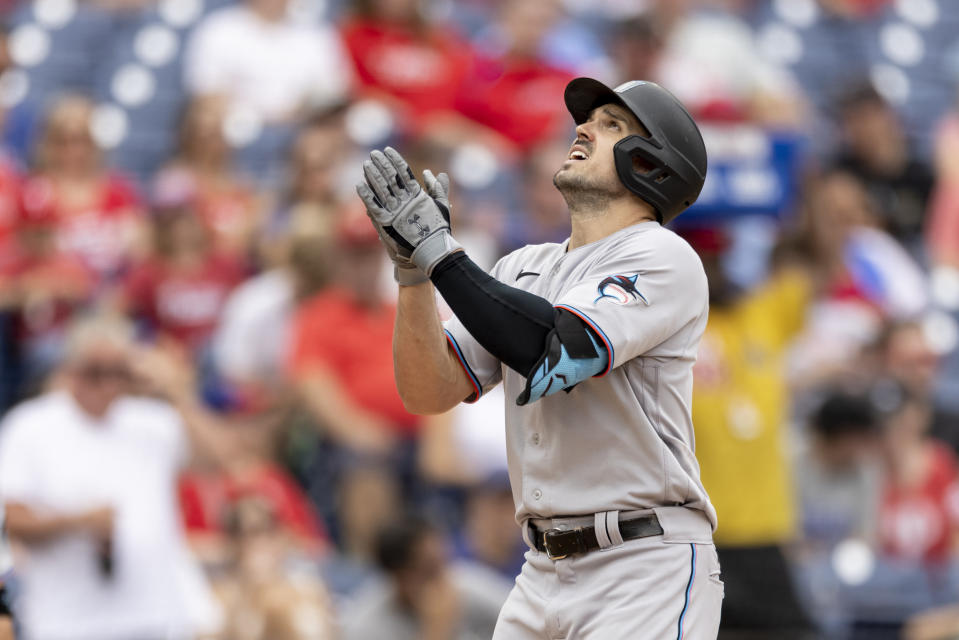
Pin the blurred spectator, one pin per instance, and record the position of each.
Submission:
(202, 174)
(516, 92)
(876, 151)
(424, 598)
(265, 62)
(419, 69)
(206, 497)
(41, 287)
(97, 211)
(544, 217)
(87, 477)
(902, 352)
(263, 596)
(838, 474)
(255, 413)
(180, 292)
(319, 157)
(341, 355)
(942, 230)
(913, 567)
(636, 47)
(489, 544)
(368, 497)
(252, 340)
(711, 62)
(740, 411)
(864, 277)
(919, 513)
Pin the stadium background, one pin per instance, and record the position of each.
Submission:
(189, 166)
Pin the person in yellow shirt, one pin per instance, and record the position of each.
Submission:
(740, 413)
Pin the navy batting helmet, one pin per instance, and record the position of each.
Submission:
(672, 160)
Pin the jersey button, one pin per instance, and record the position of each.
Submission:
(537, 494)
(535, 438)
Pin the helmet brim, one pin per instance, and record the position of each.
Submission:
(582, 95)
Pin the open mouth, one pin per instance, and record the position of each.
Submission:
(578, 153)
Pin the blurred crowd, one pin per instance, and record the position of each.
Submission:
(201, 435)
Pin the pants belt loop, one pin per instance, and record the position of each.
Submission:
(528, 534)
(612, 528)
(599, 523)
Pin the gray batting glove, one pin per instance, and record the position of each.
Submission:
(405, 272)
(407, 214)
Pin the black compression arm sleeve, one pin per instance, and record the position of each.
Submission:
(510, 323)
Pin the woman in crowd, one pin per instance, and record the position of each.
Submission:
(97, 211)
(202, 171)
(179, 294)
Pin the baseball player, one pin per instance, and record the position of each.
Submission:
(594, 340)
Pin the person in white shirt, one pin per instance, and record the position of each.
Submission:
(266, 62)
(88, 481)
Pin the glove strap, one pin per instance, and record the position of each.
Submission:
(433, 249)
(409, 276)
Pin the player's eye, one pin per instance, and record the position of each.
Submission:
(612, 124)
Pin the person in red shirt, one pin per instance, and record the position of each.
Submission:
(255, 410)
(418, 69)
(43, 287)
(515, 91)
(205, 498)
(341, 349)
(181, 291)
(202, 172)
(98, 213)
(919, 510)
(10, 182)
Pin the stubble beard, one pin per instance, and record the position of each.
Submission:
(586, 197)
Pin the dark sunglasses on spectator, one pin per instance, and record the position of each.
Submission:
(97, 373)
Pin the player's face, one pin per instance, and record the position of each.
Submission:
(590, 165)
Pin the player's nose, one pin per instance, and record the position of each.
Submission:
(584, 131)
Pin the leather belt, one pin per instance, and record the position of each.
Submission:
(560, 543)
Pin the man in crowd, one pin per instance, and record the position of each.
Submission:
(424, 598)
(740, 410)
(87, 479)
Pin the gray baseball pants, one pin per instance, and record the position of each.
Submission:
(663, 587)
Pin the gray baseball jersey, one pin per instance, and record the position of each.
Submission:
(624, 439)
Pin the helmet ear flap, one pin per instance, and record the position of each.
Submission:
(641, 172)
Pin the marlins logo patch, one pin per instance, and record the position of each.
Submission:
(619, 290)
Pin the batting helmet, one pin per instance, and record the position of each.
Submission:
(672, 160)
